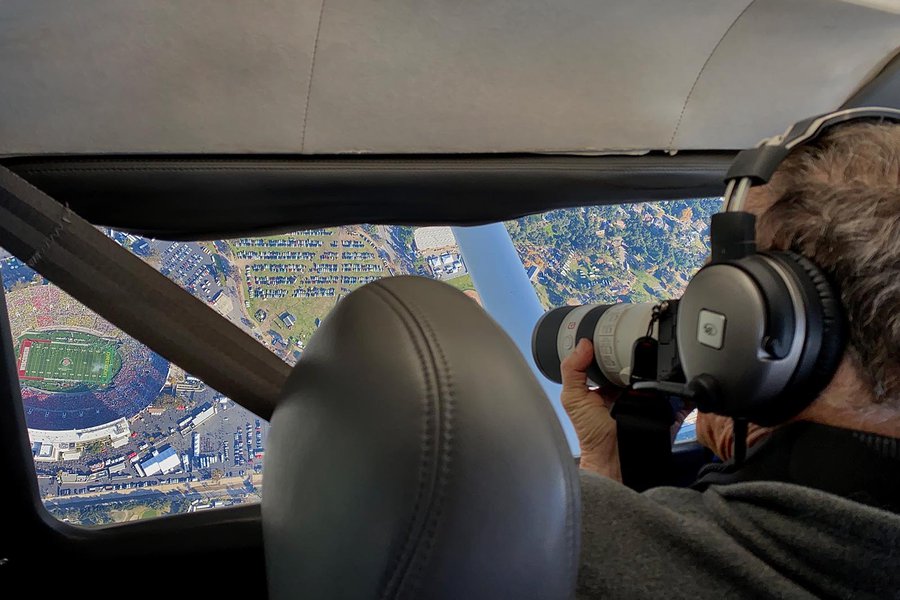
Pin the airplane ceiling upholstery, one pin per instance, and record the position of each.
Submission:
(426, 76)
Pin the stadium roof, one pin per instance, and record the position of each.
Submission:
(432, 238)
(349, 76)
(164, 462)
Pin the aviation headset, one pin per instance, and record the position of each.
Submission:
(760, 334)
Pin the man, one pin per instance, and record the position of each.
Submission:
(815, 509)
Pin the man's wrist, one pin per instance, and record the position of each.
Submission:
(603, 461)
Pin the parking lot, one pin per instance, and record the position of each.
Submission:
(190, 265)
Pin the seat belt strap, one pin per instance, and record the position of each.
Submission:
(71, 253)
(643, 422)
(643, 430)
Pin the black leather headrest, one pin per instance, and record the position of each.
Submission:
(415, 455)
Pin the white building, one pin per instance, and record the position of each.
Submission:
(204, 415)
(432, 238)
(63, 441)
(164, 462)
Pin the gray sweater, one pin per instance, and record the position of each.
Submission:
(749, 539)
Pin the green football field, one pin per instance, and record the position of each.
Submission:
(62, 359)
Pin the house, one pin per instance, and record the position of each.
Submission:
(287, 319)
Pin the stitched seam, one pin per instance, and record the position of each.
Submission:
(37, 257)
(399, 564)
(445, 455)
(702, 69)
(312, 66)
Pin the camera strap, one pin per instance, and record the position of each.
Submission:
(644, 421)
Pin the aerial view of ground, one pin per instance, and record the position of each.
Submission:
(288, 283)
(620, 253)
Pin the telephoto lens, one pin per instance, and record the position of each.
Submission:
(613, 329)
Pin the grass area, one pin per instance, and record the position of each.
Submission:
(94, 446)
(133, 513)
(543, 296)
(305, 310)
(639, 293)
(462, 283)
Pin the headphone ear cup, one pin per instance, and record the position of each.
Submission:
(825, 342)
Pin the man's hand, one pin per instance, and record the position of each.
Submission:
(589, 411)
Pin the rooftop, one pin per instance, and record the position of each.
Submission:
(431, 238)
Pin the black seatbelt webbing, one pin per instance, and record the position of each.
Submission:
(93, 269)
(643, 429)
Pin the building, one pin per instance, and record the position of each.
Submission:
(433, 238)
(287, 319)
(189, 386)
(162, 463)
(204, 415)
(118, 469)
(70, 455)
(445, 264)
(43, 451)
(66, 478)
(141, 247)
(65, 440)
(222, 303)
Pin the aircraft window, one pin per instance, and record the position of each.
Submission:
(118, 433)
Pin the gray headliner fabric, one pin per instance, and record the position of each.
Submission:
(426, 76)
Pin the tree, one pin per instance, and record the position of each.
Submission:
(167, 401)
(94, 447)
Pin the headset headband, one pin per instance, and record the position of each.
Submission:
(755, 166)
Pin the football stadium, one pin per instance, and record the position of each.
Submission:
(78, 372)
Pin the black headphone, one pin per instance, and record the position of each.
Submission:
(760, 334)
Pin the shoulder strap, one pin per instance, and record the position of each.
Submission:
(73, 254)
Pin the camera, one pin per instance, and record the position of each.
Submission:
(632, 342)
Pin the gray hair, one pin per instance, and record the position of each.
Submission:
(837, 202)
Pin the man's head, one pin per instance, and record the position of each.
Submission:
(838, 203)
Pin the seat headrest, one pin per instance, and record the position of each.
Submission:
(414, 455)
